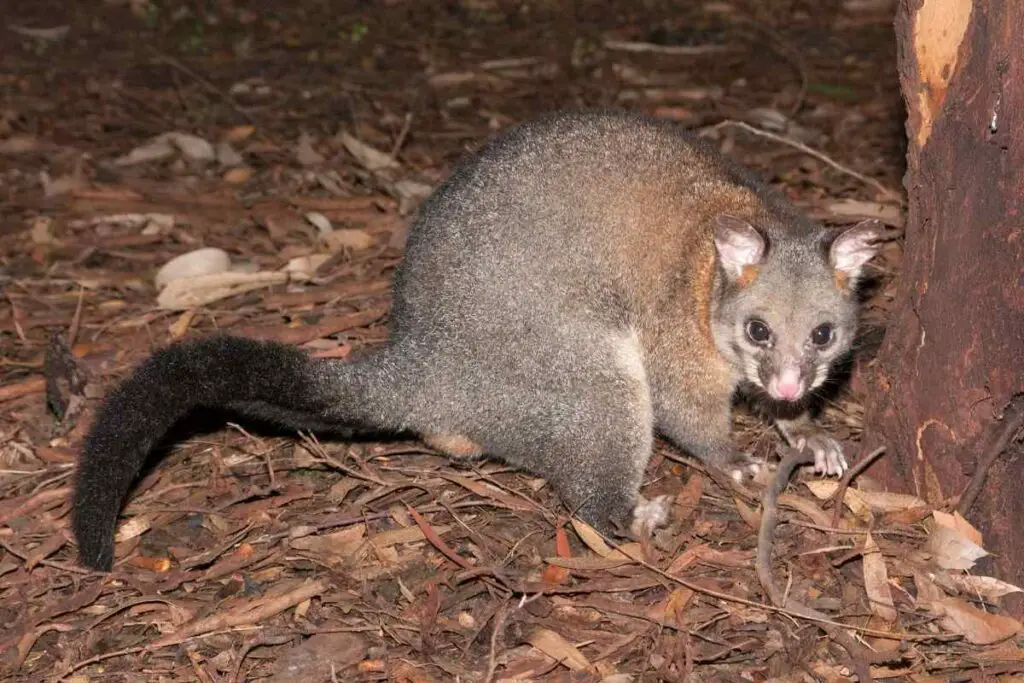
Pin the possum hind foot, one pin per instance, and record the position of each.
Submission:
(453, 445)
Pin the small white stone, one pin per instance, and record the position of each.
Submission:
(205, 261)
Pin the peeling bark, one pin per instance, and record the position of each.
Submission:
(953, 356)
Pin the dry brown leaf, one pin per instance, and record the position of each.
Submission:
(885, 501)
(180, 326)
(554, 574)
(433, 536)
(405, 672)
(304, 152)
(750, 516)
(342, 488)
(185, 293)
(132, 528)
(166, 145)
(807, 508)
(191, 146)
(61, 185)
(303, 268)
(1007, 652)
(952, 550)
(907, 517)
(237, 175)
(669, 612)
(42, 230)
(159, 565)
(488, 491)
(876, 582)
(626, 552)
(285, 596)
(372, 666)
(745, 614)
(987, 587)
(369, 158)
(319, 221)
(957, 521)
(239, 133)
(336, 351)
(687, 558)
(347, 238)
(879, 673)
(823, 489)
(927, 590)
(315, 658)
(406, 535)
(20, 144)
(591, 563)
(591, 538)
(559, 649)
(687, 499)
(339, 545)
(830, 673)
(450, 79)
(410, 193)
(977, 626)
(862, 502)
(727, 558)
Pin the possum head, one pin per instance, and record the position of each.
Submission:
(786, 309)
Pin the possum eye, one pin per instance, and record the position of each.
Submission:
(822, 335)
(758, 331)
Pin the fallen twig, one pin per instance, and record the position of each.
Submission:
(497, 631)
(209, 86)
(636, 46)
(806, 150)
(849, 476)
(300, 335)
(244, 615)
(29, 385)
(402, 135)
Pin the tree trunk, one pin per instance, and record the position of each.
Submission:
(948, 384)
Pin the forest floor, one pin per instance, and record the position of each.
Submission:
(306, 134)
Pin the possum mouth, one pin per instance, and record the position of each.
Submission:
(755, 396)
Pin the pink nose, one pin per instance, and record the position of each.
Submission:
(787, 385)
(788, 390)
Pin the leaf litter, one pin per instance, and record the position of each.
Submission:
(246, 554)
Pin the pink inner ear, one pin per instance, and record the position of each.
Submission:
(739, 245)
(855, 247)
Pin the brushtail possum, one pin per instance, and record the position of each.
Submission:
(579, 283)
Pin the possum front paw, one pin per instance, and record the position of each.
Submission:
(803, 433)
(828, 454)
(648, 515)
(741, 467)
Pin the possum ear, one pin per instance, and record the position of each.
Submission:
(738, 243)
(853, 248)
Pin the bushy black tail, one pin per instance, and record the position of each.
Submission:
(262, 379)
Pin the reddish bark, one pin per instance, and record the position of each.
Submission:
(953, 356)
